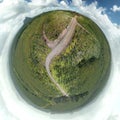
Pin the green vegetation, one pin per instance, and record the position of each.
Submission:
(81, 69)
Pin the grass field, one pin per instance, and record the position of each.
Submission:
(81, 69)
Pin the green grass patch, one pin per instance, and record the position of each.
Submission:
(80, 69)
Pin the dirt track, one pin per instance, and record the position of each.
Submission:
(64, 39)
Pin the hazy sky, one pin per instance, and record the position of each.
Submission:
(12, 14)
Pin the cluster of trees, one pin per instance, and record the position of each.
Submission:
(74, 98)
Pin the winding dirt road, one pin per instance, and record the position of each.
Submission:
(58, 46)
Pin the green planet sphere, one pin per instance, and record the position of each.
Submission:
(60, 60)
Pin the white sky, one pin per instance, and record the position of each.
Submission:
(12, 107)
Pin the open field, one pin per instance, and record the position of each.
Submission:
(81, 69)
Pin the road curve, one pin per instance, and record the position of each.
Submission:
(58, 49)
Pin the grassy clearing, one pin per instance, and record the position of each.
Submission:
(80, 69)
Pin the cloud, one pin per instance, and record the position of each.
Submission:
(77, 2)
(63, 3)
(12, 106)
(115, 8)
(113, 117)
(43, 2)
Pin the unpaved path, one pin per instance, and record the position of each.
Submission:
(64, 39)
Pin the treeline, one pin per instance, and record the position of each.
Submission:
(74, 98)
